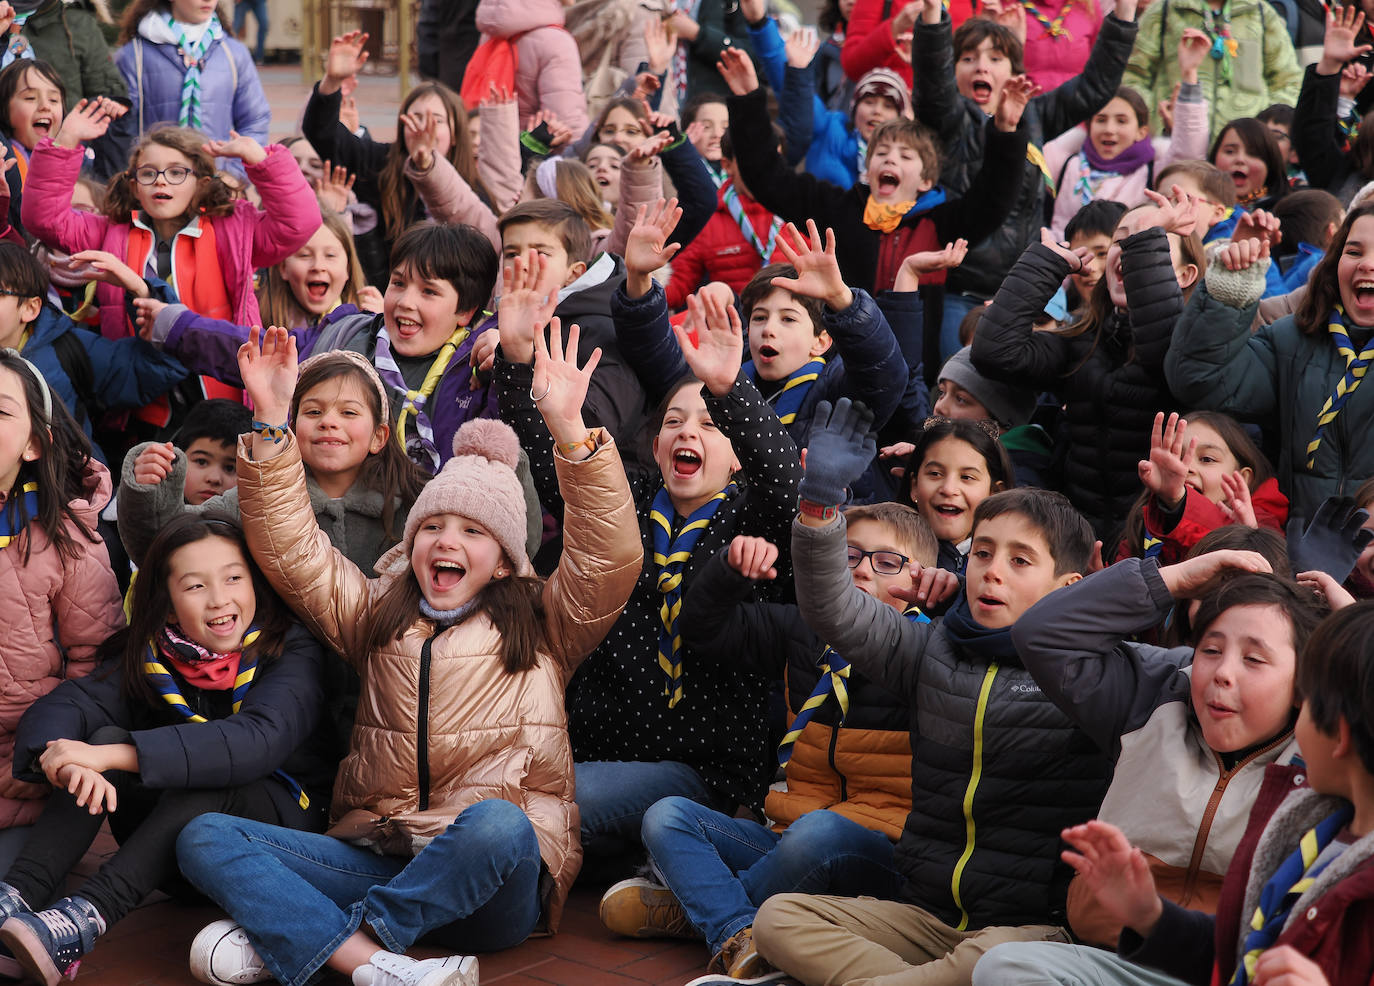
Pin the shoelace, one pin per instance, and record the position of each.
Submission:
(59, 923)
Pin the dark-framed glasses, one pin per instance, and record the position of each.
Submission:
(883, 562)
(175, 175)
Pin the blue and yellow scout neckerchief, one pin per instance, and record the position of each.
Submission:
(788, 400)
(9, 517)
(1355, 366)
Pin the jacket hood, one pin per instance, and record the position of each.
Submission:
(591, 293)
(506, 18)
(96, 489)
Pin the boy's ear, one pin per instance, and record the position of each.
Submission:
(29, 309)
(574, 272)
(821, 345)
(1069, 578)
(465, 317)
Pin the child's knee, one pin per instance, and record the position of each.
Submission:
(497, 825)
(1011, 964)
(671, 814)
(776, 921)
(202, 834)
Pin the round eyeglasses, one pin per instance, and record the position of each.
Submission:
(175, 175)
(883, 562)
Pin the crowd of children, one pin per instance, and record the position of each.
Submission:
(398, 531)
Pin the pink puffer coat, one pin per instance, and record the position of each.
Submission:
(548, 75)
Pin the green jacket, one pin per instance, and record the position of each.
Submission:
(66, 34)
(1264, 71)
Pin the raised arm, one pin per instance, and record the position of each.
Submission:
(498, 156)
(1078, 99)
(290, 211)
(1005, 347)
(447, 197)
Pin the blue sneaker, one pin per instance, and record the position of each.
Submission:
(11, 903)
(50, 944)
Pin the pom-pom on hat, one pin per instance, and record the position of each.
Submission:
(479, 483)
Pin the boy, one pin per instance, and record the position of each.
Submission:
(1308, 219)
(963, 80)
(1092, 227)
(209, 438)
(704, 120)
(848, 754)
(997, 770)
(1213, 193)
(1269, 927)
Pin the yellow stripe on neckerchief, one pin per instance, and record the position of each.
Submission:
(1355, 366)
(672, 552)
(165, 685)
(787, 402)
(10, 525)
(420, 447)
(1036, 157)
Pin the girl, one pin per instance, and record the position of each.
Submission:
(548, 65)
(1299, 377)
(381, 167)
(623, 122)
(954, 466)
(1117, 158)
(1248, 152)
(158, 214)
(32, 96)
(604, 162)
(1202, 473)
(63, 600)
(481, 783)
(1058, 36)
(1106, 366)
(208, 703)
(182, 67)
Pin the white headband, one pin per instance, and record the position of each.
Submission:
(42, 384)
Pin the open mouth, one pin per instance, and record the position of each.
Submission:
(162, 196)
(42, 126)
(948, 510)
(1364, 292)
(982, 91)
(767, 353)
(222, 626)
(1240, 177)
(317, 291)
(888, 181)
(989, 602)
(686, 463)
(604, 181)
(407, 327)
(445, 575)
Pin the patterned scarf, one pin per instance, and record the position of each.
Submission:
(672, 551)
(736, 210)
(692, 8)
(1224, 47)
(420, 446)
(1053, 28)
(788, 400)
(165, 685)
(199, 665)
(10, 517)
(193, 57)
(1355, 367)
(1289, 882)
(1094, 169)
(834, 675)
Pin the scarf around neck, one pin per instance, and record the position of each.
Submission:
(201, 667)
(975, 639)
(1139, 154)
(886, 217)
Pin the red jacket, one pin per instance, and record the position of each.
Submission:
(868, 41)
(1201, 516)
(720, 252)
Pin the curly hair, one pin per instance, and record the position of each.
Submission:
(215, 197)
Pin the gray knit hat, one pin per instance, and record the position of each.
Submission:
(1009, 405)
(883, 82)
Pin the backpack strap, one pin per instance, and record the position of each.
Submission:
(233, 69)
(138, 72)
(76, 364)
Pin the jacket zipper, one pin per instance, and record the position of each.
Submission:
(422, 726)
(975, 775)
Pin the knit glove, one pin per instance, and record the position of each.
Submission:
(1237, 288)
(841, 446)
(1334, 540)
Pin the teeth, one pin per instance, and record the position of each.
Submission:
(687, 454)
(452, 566)
(220, 620)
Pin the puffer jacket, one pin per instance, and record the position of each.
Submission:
(548, 71)
(961, 126)
(449, 200)
(1171, 793)
(1264, 71)
(66, 34)
(489, 734)
(997, 771)
(1112, 381)
(60, 611)
(1278, 377)
(859, 768)
(720, 252)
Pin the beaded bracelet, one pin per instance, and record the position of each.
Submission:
(270, 433)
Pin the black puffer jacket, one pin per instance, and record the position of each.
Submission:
(962, 128)
(997, 771)
(1112, 382)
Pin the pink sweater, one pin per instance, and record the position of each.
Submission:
(1051, 62)
(247, 239)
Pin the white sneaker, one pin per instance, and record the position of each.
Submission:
(222, 955)
(388, 969)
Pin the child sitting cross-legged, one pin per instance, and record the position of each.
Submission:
(1199, 734)
(979, 853)
(846, 751)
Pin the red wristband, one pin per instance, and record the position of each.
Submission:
(816, 510)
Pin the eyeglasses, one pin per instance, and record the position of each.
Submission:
(175, 175)
(883, 562)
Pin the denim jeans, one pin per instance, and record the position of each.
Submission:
(299, 896)
(956, 307)
(721, 868)
(259, 9)
(614, 795)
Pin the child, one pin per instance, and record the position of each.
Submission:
(63, 600)
(32, 97)
(182, 67)
(1089, 234)
(954, 466)
(1211, 192)
(1267, 930)
(962, 393)
(1215, 362)
(605, 162)
(963, 80)
(548, 67)
(479, 784)
(849, 756)
(1308, 219)
(1332, 155)
(1202, 473)
(1106, 366)
(1198, 734)
(976, 870)
(1117, 158)
(1252, 61)
(208, 438)
(209, 703)
(1247, 151)
(705, 120)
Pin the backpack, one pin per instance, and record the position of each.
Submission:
(76, 364)
(495, 61)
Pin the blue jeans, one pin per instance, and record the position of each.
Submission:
(722, 869)
(299, 895)
(613, 796)
(956, 307)
(259, 9)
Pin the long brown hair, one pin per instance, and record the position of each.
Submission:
(215, 198)
(150, 609)
(575, 186)
(390, 472)
(136, 11)
(398, 196)
(1323, 284)
(278, 302)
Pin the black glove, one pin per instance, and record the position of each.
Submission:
(841, 446)
(1334, 540)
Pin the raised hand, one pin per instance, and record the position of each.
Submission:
(1241, 255)
(1171, 455)
(559, 134)
(1333, 542)
(497, 96)
(483, 354)
(753, 557)
(559, 385)
(1016, 93)
(1076, 259)
(1115, 872)
(1009, 14)
(681, 24)
(246, 149)
(334, 187)
(1236, 503)
(268, 372)
(1258, 225)
(716, 357)
(658, 46)
(646, 84)
(650, 147)
(904, 20)
(345, 57)
(6, 17)
(370, 299)
(1193, 48)
(1185, 579)
(88, 120)
(802, 45)
(422, 137)
(1336, 595)
(1166, 107)
(928, 262)
(105, 266)
(1173, 212)
(738, 71)
(930, 586)
(818, 272)
(154, 464)
(529, 295)
(1343, 25)
(841, 446)
(647, 247)
(1354, 77)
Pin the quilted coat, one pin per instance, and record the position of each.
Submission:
(548, 71)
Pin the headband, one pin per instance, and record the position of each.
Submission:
(546, 177)
(42, 384)
(359, 361)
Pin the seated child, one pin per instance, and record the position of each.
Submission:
(1198, 734)
(209, 438)
(979, 726)
(1295, 905)
(850, 756)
